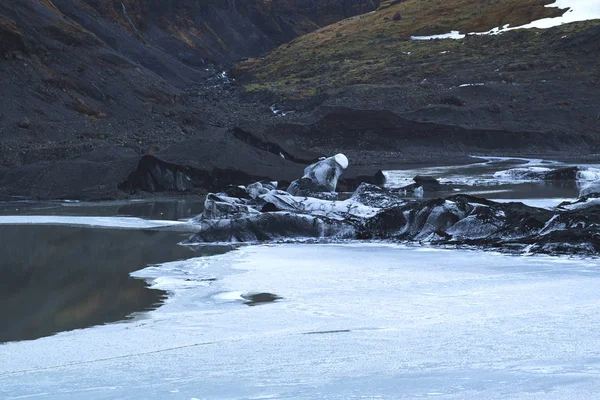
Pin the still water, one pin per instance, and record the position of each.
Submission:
(58, 278)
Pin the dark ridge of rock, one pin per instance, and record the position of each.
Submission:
(155, 175)
(357, 132)
(562, 174)
(75, 179)
(428, 182)
(351, 184)
(273, 148)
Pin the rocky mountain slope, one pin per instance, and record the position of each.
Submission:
(92, 86)
(74, 70)
(542, 86)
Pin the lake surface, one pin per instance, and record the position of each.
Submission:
(499, 178)
(354, 320)
(61, 277)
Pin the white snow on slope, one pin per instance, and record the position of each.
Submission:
(578, 10)
(355, 321)
(450, 35)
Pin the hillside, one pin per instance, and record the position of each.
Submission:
(376, 48)
(94, 85)
(90, 73)
(481, 89)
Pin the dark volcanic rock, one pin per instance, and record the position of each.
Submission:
(428, 182)
(422, 183)
(368, 134)
(562, 174)
(155, 175)
(351, 184)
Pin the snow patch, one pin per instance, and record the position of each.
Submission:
(449, 35)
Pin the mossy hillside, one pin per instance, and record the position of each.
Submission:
(375, 48)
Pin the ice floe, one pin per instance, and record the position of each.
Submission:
(105, 222)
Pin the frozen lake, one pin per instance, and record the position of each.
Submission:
(100, 302)
(352, 321)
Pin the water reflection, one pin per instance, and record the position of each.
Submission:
(57, 278)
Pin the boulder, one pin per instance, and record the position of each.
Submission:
(429, 183)
(422, 184)
(25, 123)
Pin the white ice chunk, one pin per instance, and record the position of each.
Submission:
(342, 160)
(521, 174)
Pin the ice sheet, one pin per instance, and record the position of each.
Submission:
(105, 222)
(355, 321)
